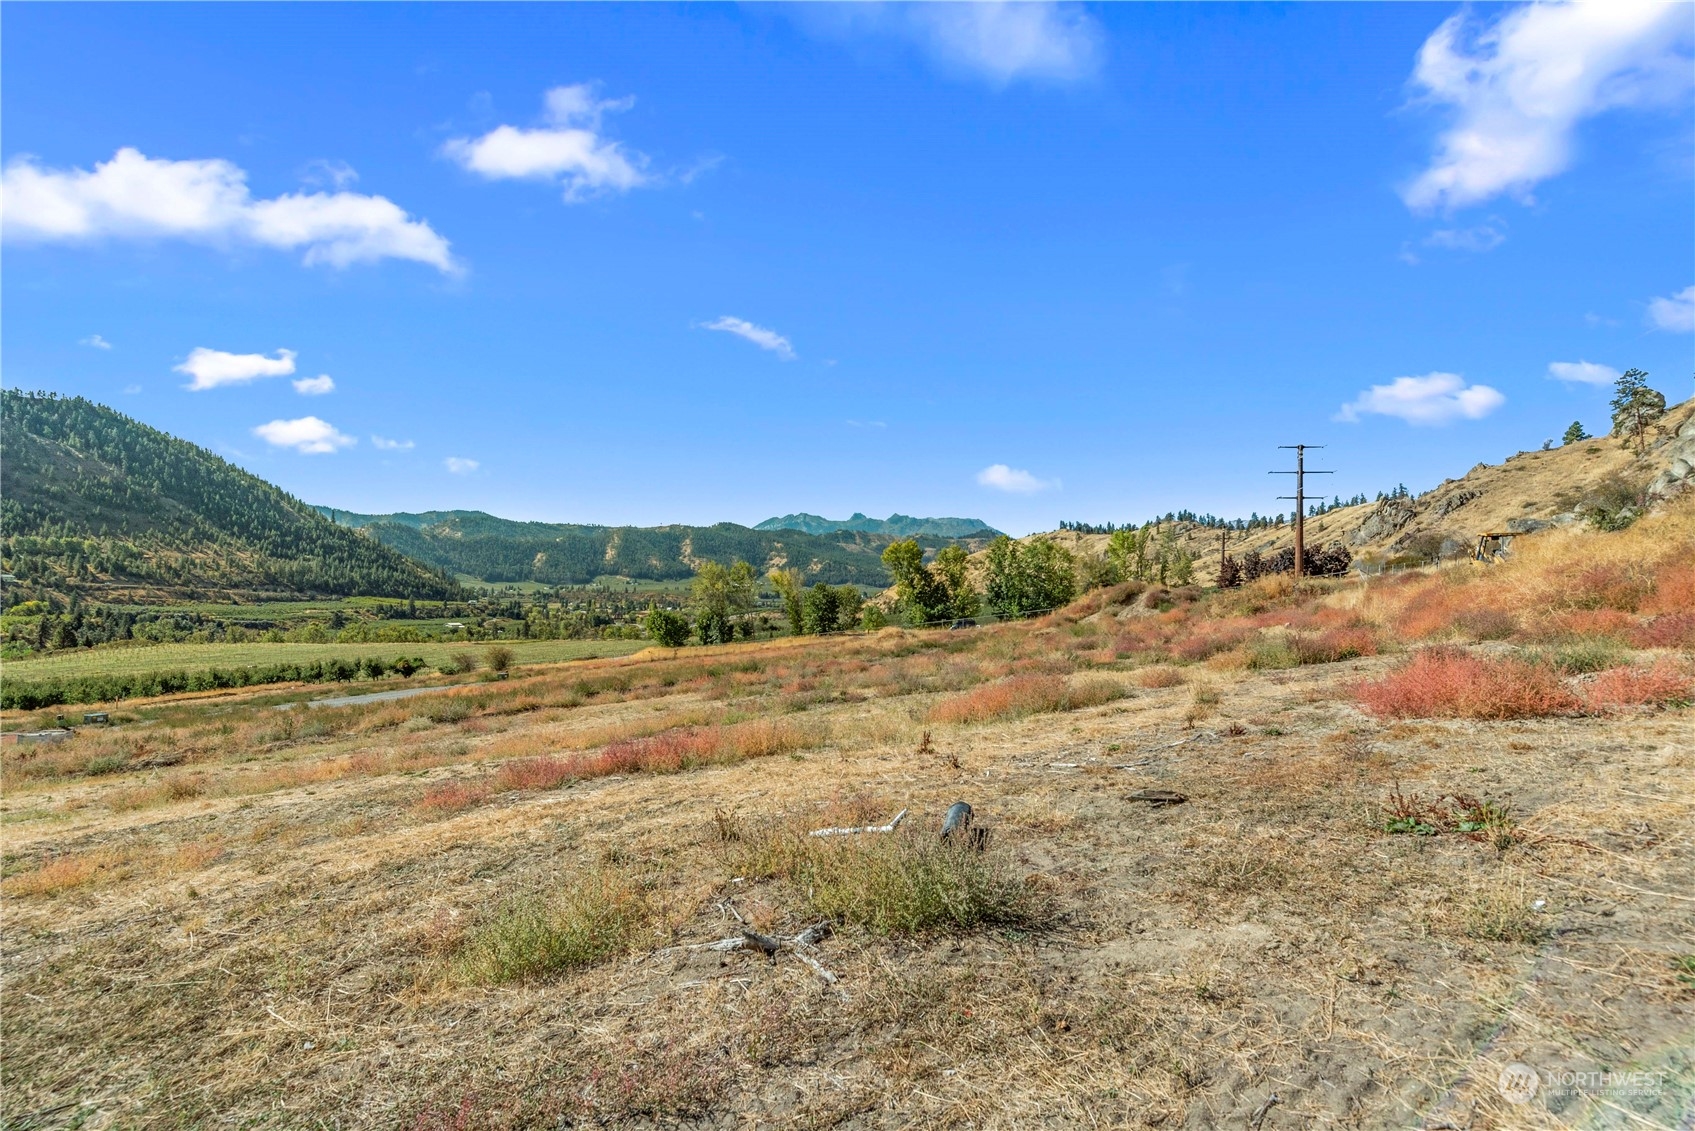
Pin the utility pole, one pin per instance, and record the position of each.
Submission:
(1300, 496)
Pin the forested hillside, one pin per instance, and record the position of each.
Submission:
(501, 550)
(94, 502)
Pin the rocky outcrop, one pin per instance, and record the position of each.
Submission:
(1391, 515)
(1678, 475)
(1455, 501)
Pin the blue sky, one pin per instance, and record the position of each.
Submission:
(654, 263)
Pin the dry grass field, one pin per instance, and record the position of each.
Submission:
(1432, 825)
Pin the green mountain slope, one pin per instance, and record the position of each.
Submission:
(502, 550)
(896, 525)
(92, 501)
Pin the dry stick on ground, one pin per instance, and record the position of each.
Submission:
(888, 828)
(774, 945)
(1258, 1116)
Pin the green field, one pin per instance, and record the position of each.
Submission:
(198, 657)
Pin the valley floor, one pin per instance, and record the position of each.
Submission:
(259, 918)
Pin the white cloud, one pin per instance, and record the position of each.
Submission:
(212, 368)
(308, 435)
(386, 445)
(1674, 312)
(137, 197)
(1582, 372)
(998, 41)
(569, 148)
(758, 335)
(1483, 237)
(131, 390)
(1435, 398)
(314, 386)
(1012, 479)
(1519, 87)
(95, 341)
(460, 466)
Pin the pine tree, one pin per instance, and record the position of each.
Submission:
(1635, 409)
(1575, 433)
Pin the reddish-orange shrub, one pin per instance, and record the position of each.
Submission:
(1202, 643)
(537, 773)
(1333, 645)
(1665, 682)
(1159, 677)
(1449, 683)
(454, 796)
(1019, 695)
(1486, 623)
(1433, 611)
(1024, 695)
(1587, 624)
(1610, 585)
(1674, 589)
(1671, 630)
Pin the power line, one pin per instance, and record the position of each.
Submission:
(1300, 496)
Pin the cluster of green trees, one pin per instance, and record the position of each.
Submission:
(30, 695)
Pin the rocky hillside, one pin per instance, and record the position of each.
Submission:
(1528, 492)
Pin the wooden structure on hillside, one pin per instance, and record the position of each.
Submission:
(1493, 546)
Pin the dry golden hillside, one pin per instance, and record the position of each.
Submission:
(1527, 492)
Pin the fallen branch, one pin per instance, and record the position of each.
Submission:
(773, 945)
(888, 828)
(1259, 1114)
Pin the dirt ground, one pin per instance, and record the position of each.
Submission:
(1262, 955)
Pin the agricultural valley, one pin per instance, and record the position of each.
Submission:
(475, 842)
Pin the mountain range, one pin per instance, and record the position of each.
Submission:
(896, 525)
(499, 550)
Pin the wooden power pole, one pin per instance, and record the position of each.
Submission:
(1300, 496)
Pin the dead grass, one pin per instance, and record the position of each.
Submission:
(1025, 695)
(297, 941)
(69, 872)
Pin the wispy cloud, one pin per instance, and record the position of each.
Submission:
(212, 369)
(314, 386)
(1478, 239)
(569, 149)
(1518, 87)
(383, 444)
(458, 465)
(760, 336)
(1001, 42)
(1435, 398)
(1674, 312)
(95, 341)
(327, 172)
(1582, 372)
(1013, 480)
(308, 435)
(143, 198)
